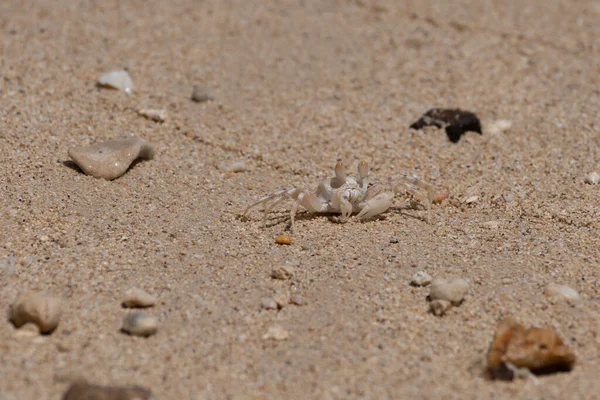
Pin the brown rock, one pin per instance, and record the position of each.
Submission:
(86, 391)
(283, 239)
(44, 311)
(537, 349)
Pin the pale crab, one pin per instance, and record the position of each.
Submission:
(346, 194)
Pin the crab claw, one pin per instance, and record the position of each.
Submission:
(376, 205)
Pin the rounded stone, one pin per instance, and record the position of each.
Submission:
(110, 160)
(201, 94)
(593, 178)
(439, 307)
(420, 278)
(136, 297)
(42, 310)
(561, 292)
(140, 324)
(453, 291)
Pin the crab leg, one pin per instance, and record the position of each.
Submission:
(416, 187)
(376, 205)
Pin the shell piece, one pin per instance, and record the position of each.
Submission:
(116, 80)
(537, 349)
(111, 159)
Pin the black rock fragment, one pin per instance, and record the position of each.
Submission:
(455, 121)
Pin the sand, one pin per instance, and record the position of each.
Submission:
(298, 86)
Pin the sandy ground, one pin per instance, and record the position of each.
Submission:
(298, 85)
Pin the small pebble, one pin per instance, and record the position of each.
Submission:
(283, 239)
(136, 297)
(491, 225)
(498, 126)
(86, 391)
(140, 324)
(268, 304)
(440, 196)
(298, 300)
(592, 178)
(28, 330)
(282, 272)
(276, 333)
(116, 80)
(153, 114)
(561, 292)
(471, 200)
(237, 166)
(420, 278)
(439, 307)
(42, 310)
(453, 291)
(281, 299)
(201, 94)
(110, 160)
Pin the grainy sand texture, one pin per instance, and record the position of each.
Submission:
(298, 86)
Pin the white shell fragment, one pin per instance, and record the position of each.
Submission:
(136, 297)
(561, 292)
(155, 115)
(593, 178)
(236, 166)
(116, 80)
(471, 199)
(111, 159)
(140, 324)
(42, 310)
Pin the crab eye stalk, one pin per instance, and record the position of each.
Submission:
(363, 170)
(340, 172)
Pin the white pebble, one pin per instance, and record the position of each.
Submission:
(592, 178)
(42, 310)
(421, 278)
(439, 307)
(153, 114)
(561, 292)
(136, 297)
(116, 80)
(453, 291)
(28, 330)
(140, 324)
(276, 333)
(268, 304)
(111, 159)
(237, 166)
